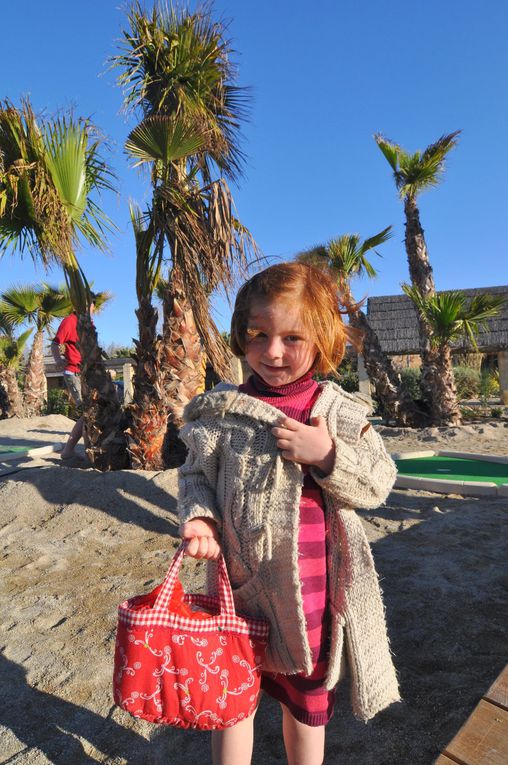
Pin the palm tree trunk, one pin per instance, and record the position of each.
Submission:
(4, 400)
(148, 426)
(444, 404)
(35, 390)
(389, 389)
(420, 272)
(102, 412)
(9, 383)
(180, 356)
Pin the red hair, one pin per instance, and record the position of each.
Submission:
(321, 309)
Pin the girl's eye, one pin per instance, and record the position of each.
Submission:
(255, 336)
(294, 338)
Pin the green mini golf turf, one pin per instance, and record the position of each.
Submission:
(8, 449)
(454, 469)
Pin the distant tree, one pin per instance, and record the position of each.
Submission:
(413, 174)
(114, 351)
(37, 305)
(449, 316)
(346, 257)
(11, 354)
(50, 170)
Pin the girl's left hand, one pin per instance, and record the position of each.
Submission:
(306, 444)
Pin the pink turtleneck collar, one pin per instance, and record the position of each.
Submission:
(295, 399)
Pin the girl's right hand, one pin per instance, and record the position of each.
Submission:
(203, 538)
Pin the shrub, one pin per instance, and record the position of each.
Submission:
(496, 412)
(58, 402)
(349, 381)
(410, 377)
(489, 385)
(467, 382)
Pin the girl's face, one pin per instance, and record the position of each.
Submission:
(278, 347)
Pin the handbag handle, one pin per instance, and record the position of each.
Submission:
(227, 605)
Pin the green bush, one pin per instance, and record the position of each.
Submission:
(349, 381)
(58, 402)
(467, 382)
(410, 377)
(489, 385)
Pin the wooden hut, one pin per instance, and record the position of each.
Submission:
(394, 319)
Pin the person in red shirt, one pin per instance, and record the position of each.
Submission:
(67, 336)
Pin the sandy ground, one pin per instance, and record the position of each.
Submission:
(75, 542)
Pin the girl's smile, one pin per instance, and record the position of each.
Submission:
(278, 347)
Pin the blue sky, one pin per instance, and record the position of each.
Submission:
(324, 78)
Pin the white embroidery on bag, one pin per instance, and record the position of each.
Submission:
(155, 697)
(124, 668)
(207, 667)
(166, 668)
(146, 644)
(226, 691)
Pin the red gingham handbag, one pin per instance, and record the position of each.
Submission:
(188, 668)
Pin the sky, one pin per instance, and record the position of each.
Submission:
(323, 77)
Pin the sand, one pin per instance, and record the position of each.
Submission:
(75, 542)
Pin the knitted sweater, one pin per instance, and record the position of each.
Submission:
(234, 474)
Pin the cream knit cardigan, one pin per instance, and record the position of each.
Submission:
(234, 474)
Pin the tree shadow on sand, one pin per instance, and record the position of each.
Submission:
(445, 597)
(48, 431)
(10, 441)
(122, 495)
(444, 590)
(54, 726)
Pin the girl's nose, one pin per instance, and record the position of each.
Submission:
(273, 348)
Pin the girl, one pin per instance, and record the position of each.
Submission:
(273, 471)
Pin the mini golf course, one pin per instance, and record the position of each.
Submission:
(10, 452)
(20, 447)
(453, 472)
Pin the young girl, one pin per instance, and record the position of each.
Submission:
(273, 472)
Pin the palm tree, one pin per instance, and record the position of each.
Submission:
(177, 74)
(49, 171)
(450, 317)
(414, 173)
(346, 257)
(37, 305)
(11, 353)
(148, 417)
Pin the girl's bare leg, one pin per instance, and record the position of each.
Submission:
(233, 746)
(305, 745)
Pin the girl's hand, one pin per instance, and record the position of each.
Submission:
(306, 444)
(203, 538)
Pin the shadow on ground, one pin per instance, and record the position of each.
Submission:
(445, 597)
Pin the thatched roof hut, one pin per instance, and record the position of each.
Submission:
(394, 319)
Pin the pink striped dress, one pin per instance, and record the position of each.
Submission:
(304, 695)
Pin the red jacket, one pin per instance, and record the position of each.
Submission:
(67, 335)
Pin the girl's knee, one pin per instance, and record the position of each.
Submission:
(233, 746)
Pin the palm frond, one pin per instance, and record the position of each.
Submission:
(416, 172)
(440, 148)
(345, 256)
(178, 63)
(390, 151)
(20, 303)
(11, 349)
(162, 138)
(37, 304)
(449, 316)
(76, 170)
(148, 257)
